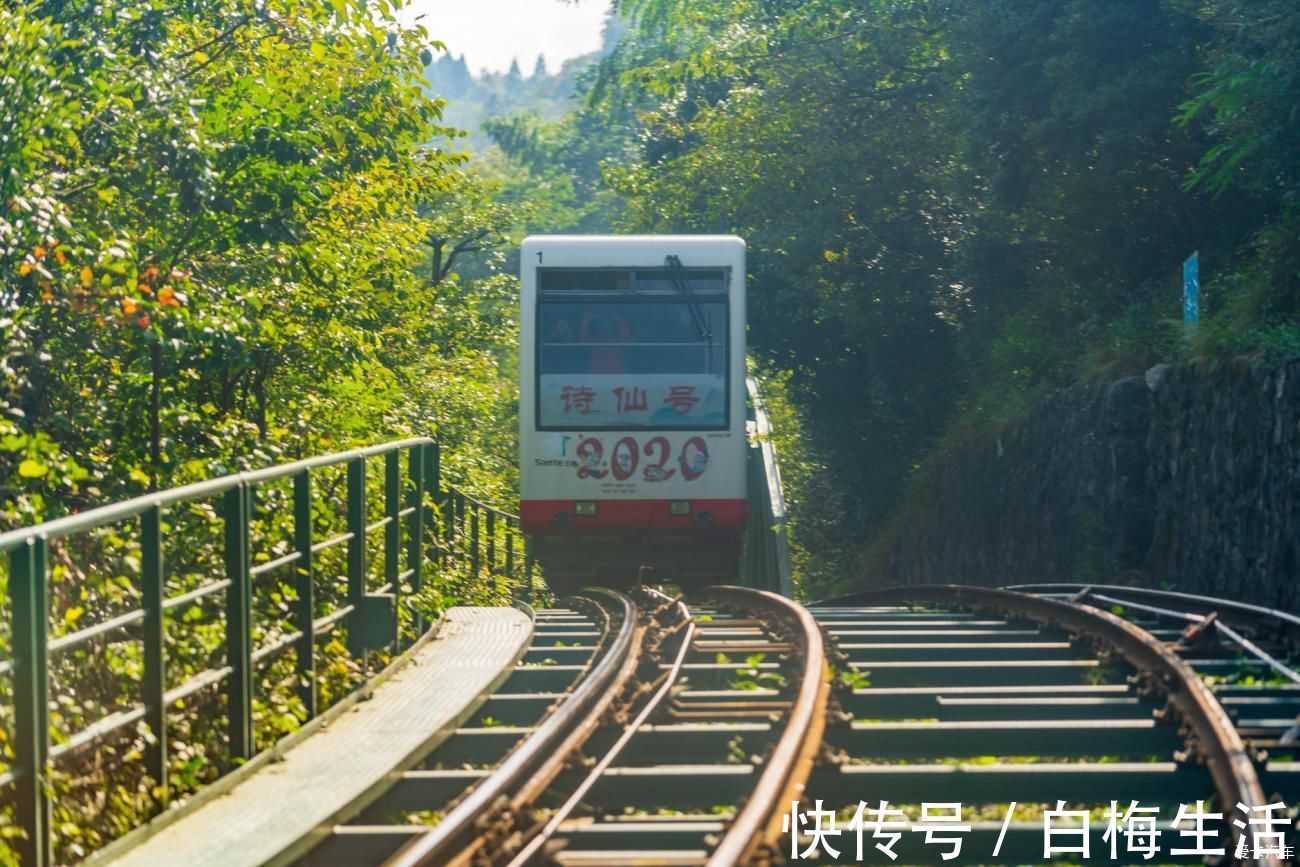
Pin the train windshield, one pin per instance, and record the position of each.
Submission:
(629, 350)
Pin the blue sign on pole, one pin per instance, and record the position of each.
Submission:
(1192, 289)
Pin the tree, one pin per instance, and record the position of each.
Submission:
(214, 223)
(468, 218)
(954, 207)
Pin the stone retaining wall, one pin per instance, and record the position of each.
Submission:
(1184, 477)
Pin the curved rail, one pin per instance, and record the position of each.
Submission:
(1245, 608)
(1218, 609)
(1217, 741)
(758, 824)
(754, 833)
(540, 757)
(548, 831)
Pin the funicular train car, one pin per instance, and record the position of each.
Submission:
(632, 406)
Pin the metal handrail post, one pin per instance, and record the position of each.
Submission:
(27, 590)
(356, 519)
(415, 531)
(473, 543)
(239, 643)
(393, 539)
(304, 572)
(154, 679)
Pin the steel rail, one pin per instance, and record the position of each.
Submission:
(1285, 620)
(754, 833)
(548, 831)
(367, 831)
(1233, 635)
(1216, 740)
(1285, 617)
(539, 757)
(785, 773)
(1255, 650)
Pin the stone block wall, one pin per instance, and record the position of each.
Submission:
(1185, 477)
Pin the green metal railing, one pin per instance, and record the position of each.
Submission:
(487, 544)
(765, 562)
(426, 529)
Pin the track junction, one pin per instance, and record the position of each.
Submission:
(643, 728)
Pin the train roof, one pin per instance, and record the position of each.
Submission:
(639, 250)
(634, 239)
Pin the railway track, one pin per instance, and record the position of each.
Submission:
(1248, 655)
(578, 653)
(1051, 705)
(738, 706)
(678, 739)
(648, 730)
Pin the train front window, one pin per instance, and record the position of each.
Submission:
(627, 360)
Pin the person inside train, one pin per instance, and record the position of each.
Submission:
(561, 331)
(604, 328)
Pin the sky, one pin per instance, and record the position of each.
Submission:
(490, 33)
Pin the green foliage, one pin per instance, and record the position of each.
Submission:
(850, 678)
(557, 167)
(808, 129)
(750, 676)
(821, 554)
(217, 220)
(955, 208)
(1248, 96)
(472, 219)
(211, 244)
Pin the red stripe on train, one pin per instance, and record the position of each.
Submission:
(540, 516)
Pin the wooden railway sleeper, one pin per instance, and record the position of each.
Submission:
(490, 811)
(735, 646)
(749, 836)
(773, 709)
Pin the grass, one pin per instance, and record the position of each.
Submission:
(850, 678)
(751, 677)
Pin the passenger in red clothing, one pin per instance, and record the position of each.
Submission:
(603, 327)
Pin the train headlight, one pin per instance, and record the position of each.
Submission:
(679, 508)
(585, 508)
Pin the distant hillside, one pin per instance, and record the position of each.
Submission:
(472, 99)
